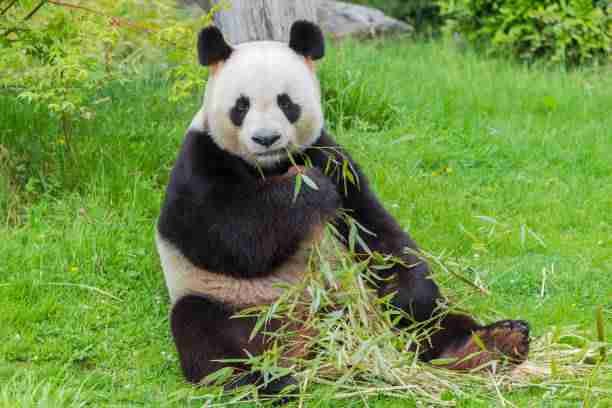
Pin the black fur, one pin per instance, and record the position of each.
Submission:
(307, 40)
(212, 47)
(231, 218)
(224, 217)
(415, 292)
(291, 110)
(240, 110)
(418, 293)
(204, 331)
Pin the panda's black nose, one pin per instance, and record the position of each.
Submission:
(266, 138)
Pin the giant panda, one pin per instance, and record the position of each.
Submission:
(231, 227)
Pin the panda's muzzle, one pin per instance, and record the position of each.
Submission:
(266, 138)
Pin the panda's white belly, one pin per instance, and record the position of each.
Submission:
(184, 278)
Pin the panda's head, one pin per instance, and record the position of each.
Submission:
(262, 98)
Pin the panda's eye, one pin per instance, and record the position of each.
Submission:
(284, 102)
(291, 110)
(243, 104)
(240, 110)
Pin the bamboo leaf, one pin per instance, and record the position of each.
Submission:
(443, 361)
(364, 229)
(309, 182)
(258, 325)
(352, 237)
(347, 174)
(220, 376)
(298, 187)
(479, 342)
(363, 244)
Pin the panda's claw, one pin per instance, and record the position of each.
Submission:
(513, 325)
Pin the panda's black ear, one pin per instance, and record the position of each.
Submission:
(212, 47)
(307, 39)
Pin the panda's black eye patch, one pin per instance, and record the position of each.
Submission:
(240, 110)
(290, 109)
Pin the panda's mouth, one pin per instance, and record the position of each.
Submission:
(272, 153)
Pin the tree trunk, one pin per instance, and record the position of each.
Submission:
(253, 20)
(203, 4)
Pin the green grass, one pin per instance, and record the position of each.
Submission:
(500, 168)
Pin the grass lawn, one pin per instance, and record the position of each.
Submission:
(500, 168)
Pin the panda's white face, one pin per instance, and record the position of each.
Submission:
(262, 102)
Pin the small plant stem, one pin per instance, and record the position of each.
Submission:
(67, 130)
(35, 10)
(11, 4)
(76, 6)
(601, 335)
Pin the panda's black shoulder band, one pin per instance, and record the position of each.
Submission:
(307, 39)
(212, 47)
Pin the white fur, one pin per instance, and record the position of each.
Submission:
(184, 278)
(198, 121)
(262, 71)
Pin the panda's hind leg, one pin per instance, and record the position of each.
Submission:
(469, 346)
(505, 341)
(205, 333)
(456, 336)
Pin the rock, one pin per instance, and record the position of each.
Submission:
(337, 19)
(340, 19)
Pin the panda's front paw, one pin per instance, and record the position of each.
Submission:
(324, 195)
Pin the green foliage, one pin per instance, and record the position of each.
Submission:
(424, 14)
(59, 54)
(350, 101)
(351, 98)
(569, 32)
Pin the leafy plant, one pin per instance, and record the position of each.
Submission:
(57, 54)
(570, 32)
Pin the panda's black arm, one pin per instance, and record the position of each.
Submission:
(414, 291)
(411, 280)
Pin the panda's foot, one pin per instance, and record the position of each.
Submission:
(280, 385)
(506, 341)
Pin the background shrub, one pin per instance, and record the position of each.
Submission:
(423, 14)
(57, 55)
(570, 32)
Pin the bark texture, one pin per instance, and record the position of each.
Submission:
(253, 20)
